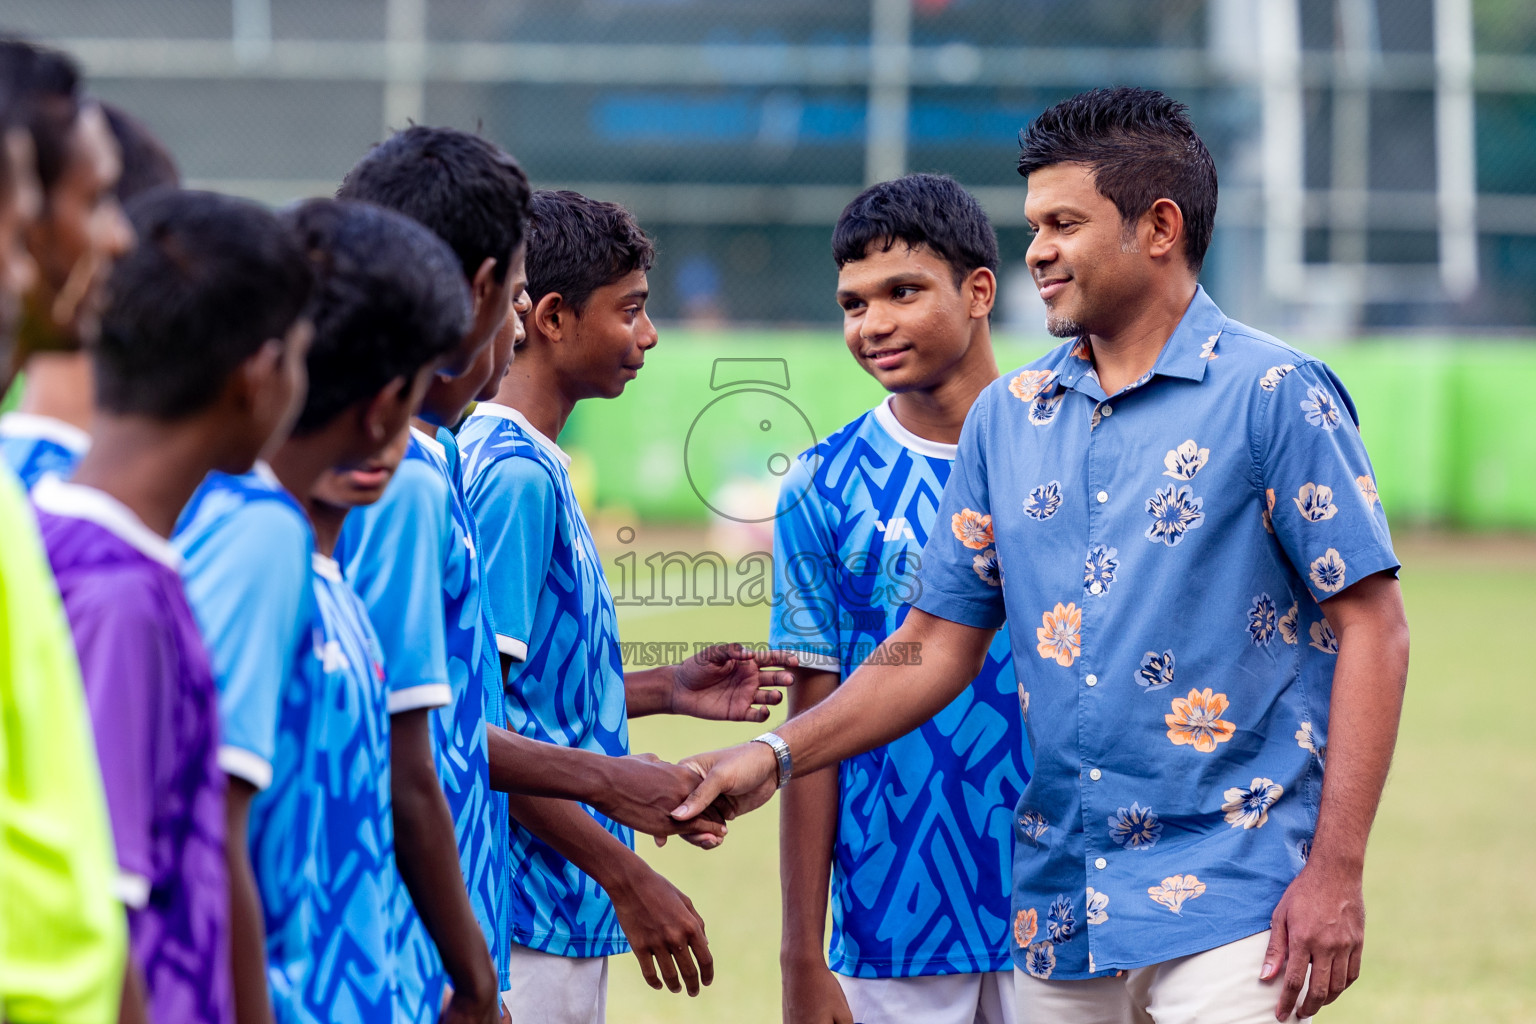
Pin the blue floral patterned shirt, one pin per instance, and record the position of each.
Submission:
(1160, 555)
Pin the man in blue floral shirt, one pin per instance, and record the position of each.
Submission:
(1177, 517)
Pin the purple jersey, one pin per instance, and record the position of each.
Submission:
(154, 708)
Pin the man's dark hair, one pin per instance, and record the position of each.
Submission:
(577, 245)
(211, 280)
(932, 210)
(46, 86)
(1141, 146)
(390, 299)
(147, 164)
(465, 189)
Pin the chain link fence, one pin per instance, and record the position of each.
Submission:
(1378, 157)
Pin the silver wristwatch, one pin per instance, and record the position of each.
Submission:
(780, 753)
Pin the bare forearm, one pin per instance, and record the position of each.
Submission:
(649, 691)
(1364, 713)
(534, 768)
(428, 857)
(807, 831)
(247, 928)
(881, 702)
(578, 837)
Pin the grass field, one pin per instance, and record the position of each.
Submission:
(1450, 879)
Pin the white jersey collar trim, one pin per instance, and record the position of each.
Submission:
(80, 502)
(46, 428)
(506, 412)
(430, 443)
(886, 417)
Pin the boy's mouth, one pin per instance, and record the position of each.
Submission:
(888, 358)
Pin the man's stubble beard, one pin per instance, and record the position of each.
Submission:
(1061, 326)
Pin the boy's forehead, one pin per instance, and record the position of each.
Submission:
(633, 283)
(881, 266)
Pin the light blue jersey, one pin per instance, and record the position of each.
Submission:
(304, 711)
(555, 618)
(35, 446)
(412, 557)
(922, 862)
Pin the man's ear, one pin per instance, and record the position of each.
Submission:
(551, 317)
(1162, 228)
(979, 289)
(483, 285)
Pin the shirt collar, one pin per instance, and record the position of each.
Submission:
(45, 428)
(1189, 348)
(506, 412)
(77, 501)
(430, 443)
(326, 566)
(886, 417)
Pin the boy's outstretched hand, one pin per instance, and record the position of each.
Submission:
(728, 682)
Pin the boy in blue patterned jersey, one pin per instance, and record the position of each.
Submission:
(304, 701)
(583, 894)
(412, 557)
(916, 835)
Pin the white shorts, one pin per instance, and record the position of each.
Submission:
(937, 999)
(549, 989)
(1219, 986)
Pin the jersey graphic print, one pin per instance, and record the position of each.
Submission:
(412, 558)
(555, 616)
(304, 707)
(921, 865)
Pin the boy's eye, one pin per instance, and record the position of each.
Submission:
(903, 291)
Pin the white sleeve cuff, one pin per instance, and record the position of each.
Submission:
(243, 764)
(819, 662)
(513, 648)
(414, 698)
(131, 890)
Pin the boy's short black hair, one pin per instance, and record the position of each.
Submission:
(147, 164)
(577, 245)
(932, 210)
(1142, 147)
(390, 299)
(211, 279)
(46, 84)
(464, 188)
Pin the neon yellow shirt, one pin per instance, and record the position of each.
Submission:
(62, 932)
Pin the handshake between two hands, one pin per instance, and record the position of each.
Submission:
(697, 796)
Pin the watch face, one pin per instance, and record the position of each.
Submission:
(739, 449)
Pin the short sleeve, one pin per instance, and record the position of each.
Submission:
(249, 587)
(960, 577)
(393, 553)
(128, 662)
(1317, 481)
(805, 613)
(513, 501)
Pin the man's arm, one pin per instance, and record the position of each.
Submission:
(1321, 918)
(247, 930)
(658, 920)
(724, 682)
(874, 706)
(807, 831)
(638, 790)
(428, 857)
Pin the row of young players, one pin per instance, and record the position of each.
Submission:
(377, 598)
(258, 820)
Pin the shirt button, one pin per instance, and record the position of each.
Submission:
(1095, 775)
(1109, 410)
(1101, 863)
(1092, 680)
(1103, 496)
